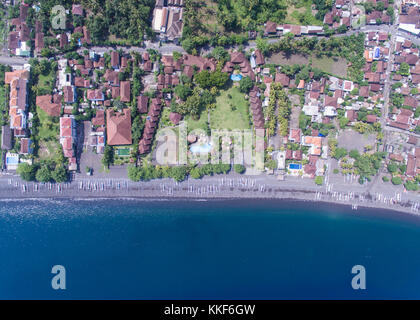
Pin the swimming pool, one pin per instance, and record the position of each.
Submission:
(201, 148)
(123, 151)
(295, 166)
(236, 77)
(12, 160)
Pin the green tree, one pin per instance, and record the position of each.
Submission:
(343, 122)
(182, 91)
(196, 173)
(319, 180)
(245, 84)
(354, 154)
(43, 174)
(108, 157)
(339, 153)
(179, 173)
(59, 174)
(262, 45)
(396, 180)
(26, 171)
(239, 168)
(392, 167)
(411, 186)
(220, 54)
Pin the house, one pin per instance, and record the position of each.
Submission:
(111, 77)
(77, 10)
(81, 82)
(6, 137)
(410, 101)
(125, 91)
(168, 20)
(26, 146)
(115, 60)
(95, 95)
(283, 79)
(118, 126)
(39, 42)
(175, 117)
(256, 108)
(270, 28)
(142, 103)
(68, 136)
(295, 135)
(315, 144)
(99, 119)
(371, 118)
(259, 58)
(46, 103)
(69, 93)
(410, 22)
(351, 115)
(200, 62)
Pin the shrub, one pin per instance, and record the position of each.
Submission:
(319, 180)
(396, 180)
(239, 168)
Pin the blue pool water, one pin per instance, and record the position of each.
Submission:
(236, 77)
(201, 148)
(238, 249)
(12, 160)
(295, 166)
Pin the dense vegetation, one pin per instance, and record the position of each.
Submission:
(128, 19)
(179, 173)
(350, 48)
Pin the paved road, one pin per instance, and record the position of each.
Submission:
(376, 181)
(7, 60)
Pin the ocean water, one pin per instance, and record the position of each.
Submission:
(238, 249)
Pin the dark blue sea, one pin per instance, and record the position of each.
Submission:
(238, 249)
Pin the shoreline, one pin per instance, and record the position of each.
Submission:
(199, 190)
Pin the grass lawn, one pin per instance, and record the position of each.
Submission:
(335, 66)
(46, 82)
(49, 130)
(47, 136)
(197, 124)
(302, 9)
(230, 113)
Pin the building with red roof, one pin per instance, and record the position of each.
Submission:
(118, 127)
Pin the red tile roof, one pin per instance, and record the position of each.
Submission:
(125, 91)
(46, 104)
(118, 127)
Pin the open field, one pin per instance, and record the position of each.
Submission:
(48, 136)
(231, 111)
(336, 66)
(197, 124)
(46, 82)
(350, 140)
(301, 13)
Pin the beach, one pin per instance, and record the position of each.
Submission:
(231, 186)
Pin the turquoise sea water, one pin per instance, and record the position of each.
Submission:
(132, 249)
